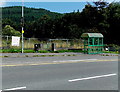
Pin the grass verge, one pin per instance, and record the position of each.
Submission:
(32, 51)
(45, 51)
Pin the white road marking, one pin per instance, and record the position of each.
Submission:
(94, 77)
(75, 60)
(17, 88)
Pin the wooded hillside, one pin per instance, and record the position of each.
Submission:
(97, 17)
(30, 14)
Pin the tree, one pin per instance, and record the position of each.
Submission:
(74, 32)
(10, 31)
(7, 21)
(113, 13)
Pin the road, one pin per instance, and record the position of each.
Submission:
(61, 73)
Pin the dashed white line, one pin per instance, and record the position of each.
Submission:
(11, 89)
(94, 77)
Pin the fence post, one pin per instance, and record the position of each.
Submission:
(7, 41)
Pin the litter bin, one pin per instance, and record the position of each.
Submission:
(36, 47)
(53, 47)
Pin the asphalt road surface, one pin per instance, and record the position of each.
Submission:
(60, 73)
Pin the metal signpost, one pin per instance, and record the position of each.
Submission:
(22, 20)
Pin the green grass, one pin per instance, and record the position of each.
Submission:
(62, 51)
(113, 52)
(10, 51)
(29, 51)
(45, 51)
(32, 51)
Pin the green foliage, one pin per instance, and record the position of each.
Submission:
(99, 16)
(30, 14)
(43, 51)
(113, 19)
(62, 51)
(10, 31)
(11, 51)
(113, 52)
(29, 51)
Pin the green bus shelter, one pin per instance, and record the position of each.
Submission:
(93, 43)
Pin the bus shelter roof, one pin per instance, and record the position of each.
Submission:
(88, 35)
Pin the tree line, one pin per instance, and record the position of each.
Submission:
(99, 16)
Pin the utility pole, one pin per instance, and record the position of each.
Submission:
(22, 20)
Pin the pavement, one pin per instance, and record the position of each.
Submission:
(63, 76)
(63, 71)
(48, 54)
(53, 58)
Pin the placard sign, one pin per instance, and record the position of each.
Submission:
(15, 41)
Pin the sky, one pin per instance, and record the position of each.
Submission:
(57, 0)
(60, 6)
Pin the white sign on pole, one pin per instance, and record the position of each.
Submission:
(15, 41)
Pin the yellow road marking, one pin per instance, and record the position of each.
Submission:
(33, 64)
